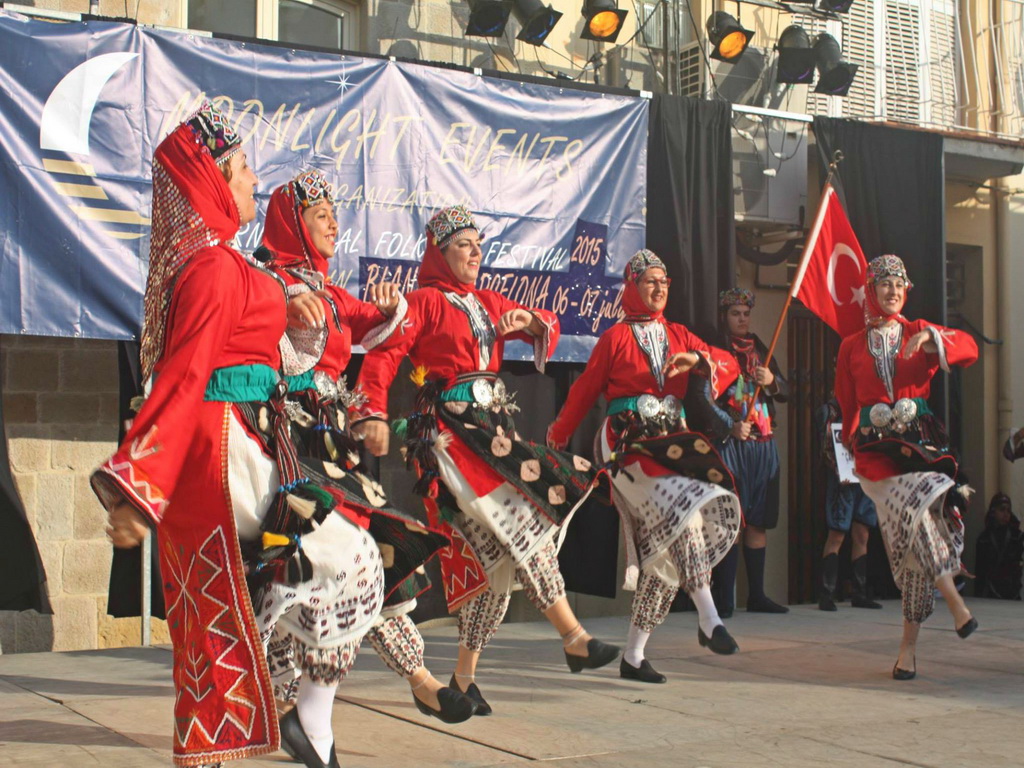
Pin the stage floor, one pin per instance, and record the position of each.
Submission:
(807, 689)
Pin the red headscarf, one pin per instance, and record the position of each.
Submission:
(193, 209)
(285, 233)
(633, 304)
(441, 229)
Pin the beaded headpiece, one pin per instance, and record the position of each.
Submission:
(734, 296)
(640, 262)
(448, 222)
(214, 132)
(887, 266)
(312, 187)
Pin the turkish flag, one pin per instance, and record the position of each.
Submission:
(830, 281)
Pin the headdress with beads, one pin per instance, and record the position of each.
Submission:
(641, 261)
(214, 132)
(734, 296)
(887, 266)
(448, 222)
(312, 187)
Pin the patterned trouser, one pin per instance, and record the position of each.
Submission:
(542, 582)
(934, 558)
(323, 666)
(399, 644)
(654, 595)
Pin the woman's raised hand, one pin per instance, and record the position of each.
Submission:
(680, 362)
(306, 310)
(385, 297)
(514, 320)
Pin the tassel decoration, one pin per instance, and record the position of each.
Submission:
(332, 449)
(419, 375)
(304, 508)
(400, 427)
(275, 540)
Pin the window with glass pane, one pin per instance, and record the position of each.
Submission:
(306, 24)
(233, 17)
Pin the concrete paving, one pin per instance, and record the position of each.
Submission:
(807, 689)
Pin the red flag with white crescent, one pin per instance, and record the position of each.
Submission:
(830, 282)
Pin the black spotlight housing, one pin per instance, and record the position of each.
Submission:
(729, 39)
(796, 58)
(835, 76)
(487, 18)
(537, 20)
(602, 20)
(835, 6)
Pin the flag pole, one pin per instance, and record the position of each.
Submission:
(805, 257)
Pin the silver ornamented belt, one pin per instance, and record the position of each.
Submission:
(483, 391)
(898, 417)
(653, 407)
(337, 391)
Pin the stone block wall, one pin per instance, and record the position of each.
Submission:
(60, 413)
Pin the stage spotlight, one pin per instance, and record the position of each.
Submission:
(835, 6)
(602, 20)
(796, 59)
(537, 20)
(729, 39)
(835, 76)
(487, 18)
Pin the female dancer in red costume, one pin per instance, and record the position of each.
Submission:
(883, 379)
(300, 231)
(208, 460)
(503, 498)
(674, 495)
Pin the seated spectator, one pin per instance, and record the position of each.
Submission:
(998, 552)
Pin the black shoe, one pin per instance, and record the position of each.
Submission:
(764, 604)
(645, 673)
(859, 597)
(969, 627)
(483, 709)
(904, 674)
(859, 601)
(456, 706)
(725, 613)
(829, 577)
(598, 654)
(295, 742)
(719, 642)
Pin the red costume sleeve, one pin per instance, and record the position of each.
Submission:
(543, 345)
(370, 327)
(381, 363)
(719, 366)
(206, 307)
(583, 393)
(954, 347)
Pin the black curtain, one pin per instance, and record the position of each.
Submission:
(124, 597)
(892, 184)
(690, 203)
(22, 576)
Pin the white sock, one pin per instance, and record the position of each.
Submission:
(636, 641)
(707, 614)
(315, 704)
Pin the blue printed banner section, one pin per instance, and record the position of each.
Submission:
(555, 177)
